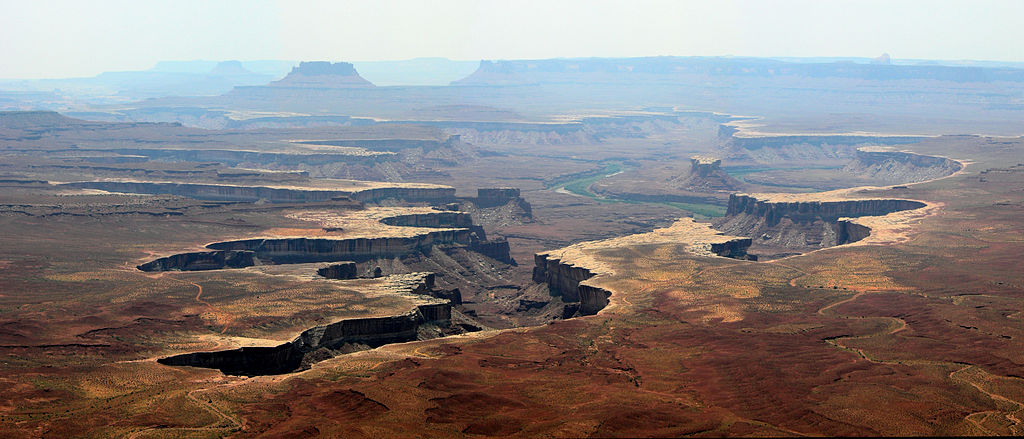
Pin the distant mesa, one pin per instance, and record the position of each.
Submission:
(495, 73)
(323, 74)
(882, 59)
(230, 68)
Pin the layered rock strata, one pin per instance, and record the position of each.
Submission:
(298, 250)
(343, 336)
(344, 270)
(225, 192)
(892, 167)
(195, 261)
(787, 224)
(324, 341)
(569, 272)
(454, 229)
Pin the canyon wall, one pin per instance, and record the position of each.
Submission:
(296, 250)
(433, 219)
(323, 341)
(226, 192)
(217, 192)
(211, 260)
(848, 231)
(895, 167)
(772, 211)
(436, 195)
(564, 280)
(289, 357)
(783, 228)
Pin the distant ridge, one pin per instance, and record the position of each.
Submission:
(35, 119)
(323, 74)
(522, 72)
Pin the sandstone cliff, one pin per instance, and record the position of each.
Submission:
(343, 270)
(194, 261)
(296, 250)
(324, 341)
(895, 167)
(789, 226)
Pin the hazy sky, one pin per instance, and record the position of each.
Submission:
(41, 38)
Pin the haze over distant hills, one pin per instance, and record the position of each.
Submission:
(906, 97)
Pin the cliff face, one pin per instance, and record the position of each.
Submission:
(296, 250)
(289, 357)
(808, 211)
(491, 197)
(212, 260)
(344, 270)
(438, 220)
(893, 167)
(429, 195)
(322, 74)
(564, 280)
(326, 340)
(497, 249)
(780, 228)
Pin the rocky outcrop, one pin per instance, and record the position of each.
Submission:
(847, 231)
(216, 192)
(895, 167)
(773, 211)
(734, 248)
(298, 250)
(323, 74)
(324, 341)
(704, 166)
(344, 270)
(194, 261)
(491, 197)
(434, 219)
(456, 230)
(781, 228)
(706, 177)
(342, 336)
(434, 195)
(226, 192)
(564, 280)
(497, 249)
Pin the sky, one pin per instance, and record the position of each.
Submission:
(77, 38)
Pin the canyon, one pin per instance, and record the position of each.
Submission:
(719, 246)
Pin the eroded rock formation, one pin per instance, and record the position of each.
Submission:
(790, 226)
(194, 261)
(228, 192)
(297, 250)
(895, 167)
(324, 341)
(455, 229)
(343, 270)
(564, 280)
